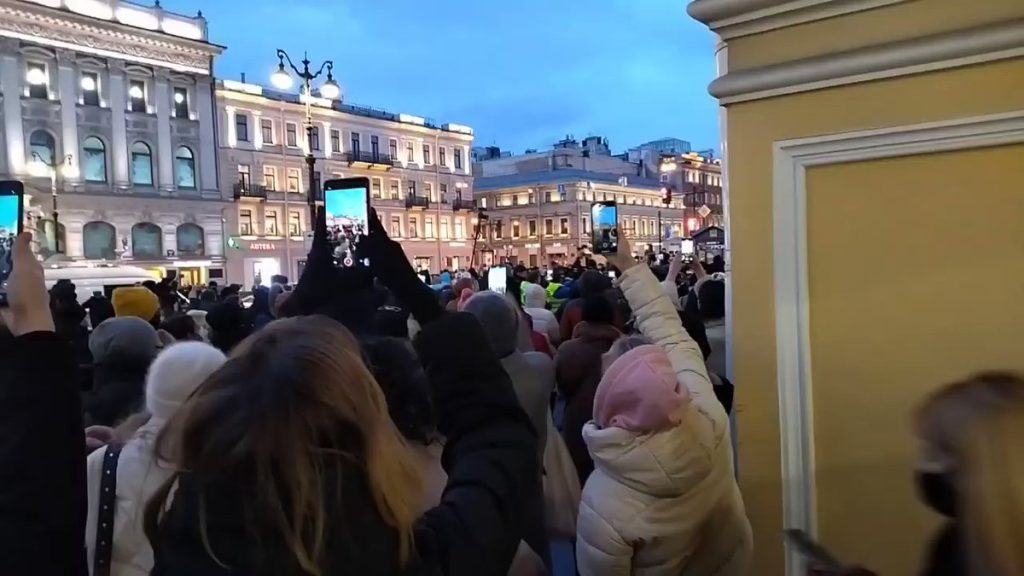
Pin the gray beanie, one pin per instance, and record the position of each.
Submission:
(499, 318)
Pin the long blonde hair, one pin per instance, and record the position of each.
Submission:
(993, 485)
(289, 414)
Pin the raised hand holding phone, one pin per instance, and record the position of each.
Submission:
(28, 307)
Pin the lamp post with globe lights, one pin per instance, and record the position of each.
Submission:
(41, 169)
(330, 89)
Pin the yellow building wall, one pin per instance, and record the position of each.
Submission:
(916, 277)
(752, 128)
(908, 19)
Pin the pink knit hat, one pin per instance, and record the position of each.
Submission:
(639, 392)
(465, 295)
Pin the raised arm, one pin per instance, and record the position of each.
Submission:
(657, 319)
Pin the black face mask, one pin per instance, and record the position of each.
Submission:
(938, 492)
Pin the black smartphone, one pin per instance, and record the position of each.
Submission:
(12, 213)
(814, 552)
(347, 208)
(604, 223)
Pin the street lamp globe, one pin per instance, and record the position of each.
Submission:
(136, 92)
(281, 79)
(330, 89)
(36, 76)
(88, 83)
(179, 97)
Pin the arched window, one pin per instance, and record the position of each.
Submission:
(142, 164)
(94, 160)
(184, 168)
(43, 145)
(190, 240)
(99, 241)
(50, 245)
(147, 241)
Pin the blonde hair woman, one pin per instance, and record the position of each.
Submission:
(288, 437)
(993, 479)
(290, 463)
(951, 426)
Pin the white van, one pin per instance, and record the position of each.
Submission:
(102, 279)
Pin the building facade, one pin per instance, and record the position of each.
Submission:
(844, 122)
(421, 183)
(109, 107)
(697, 180)
(537, 218)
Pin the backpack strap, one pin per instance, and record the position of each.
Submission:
(105, 518)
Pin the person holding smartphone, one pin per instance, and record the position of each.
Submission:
(42, 470)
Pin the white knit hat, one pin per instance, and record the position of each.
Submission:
(176, 373)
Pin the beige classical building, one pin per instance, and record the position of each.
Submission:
(541, 217)
(109, 105)
(697, 180)
(420, 178)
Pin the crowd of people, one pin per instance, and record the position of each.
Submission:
(364, 422)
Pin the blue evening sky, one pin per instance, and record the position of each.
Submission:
(522, 73)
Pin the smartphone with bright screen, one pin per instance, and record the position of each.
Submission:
(604, 218)
(12, 195)
(347, 206)
(497, 279)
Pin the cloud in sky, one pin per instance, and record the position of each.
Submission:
(523, 73)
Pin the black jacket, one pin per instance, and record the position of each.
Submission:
(42, 462)
(492, 488)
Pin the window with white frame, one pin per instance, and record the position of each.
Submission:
(294, 223)
(314, 138)
(426, 154)
(270, 223)
(38, 78)
(410, 152)
(460, 228)
(241, 127)
(180, 97)
(245, 222)
(396, 227)
(267, 130)
(137, 95)
(90, 85)
(563, 226)
(442, 156)
(293, 180)
(414, 231)
(393, 148)
(458, 158)
(428, 191)
(394, 189)
(428, 227)
(291, 138)
(270, 177)
(549, 227)
(336, 140)
(444, 228)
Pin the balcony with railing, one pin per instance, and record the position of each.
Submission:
(380, 160)
(464, 204)
(413, 201)
(246, 190)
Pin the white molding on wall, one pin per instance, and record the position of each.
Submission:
(967, 47)
(791, 158)
(735, 18)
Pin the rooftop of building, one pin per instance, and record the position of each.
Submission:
(490, 183)
(342, 106)
(153, 18)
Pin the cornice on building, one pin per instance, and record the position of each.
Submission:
(63, 29)
(735, 18)
(988, 43)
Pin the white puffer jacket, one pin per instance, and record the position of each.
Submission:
(665, 503)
